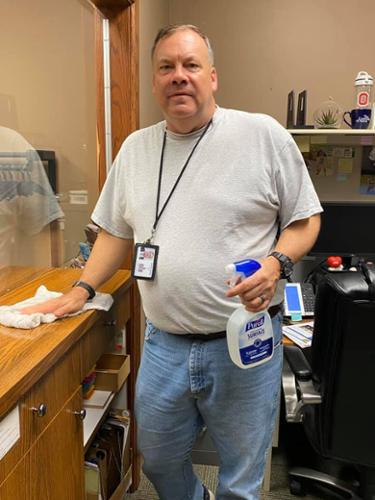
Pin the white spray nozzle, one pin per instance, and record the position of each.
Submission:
(234, 276)
(230, 269)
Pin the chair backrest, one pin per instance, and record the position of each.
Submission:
(343, 366)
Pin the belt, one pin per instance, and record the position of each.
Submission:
(272, 311)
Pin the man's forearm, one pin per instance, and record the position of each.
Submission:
(106, 257)
(297, 239)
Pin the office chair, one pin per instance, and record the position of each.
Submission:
(334, 396)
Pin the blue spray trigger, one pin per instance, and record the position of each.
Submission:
(247, 267)
(241, 269)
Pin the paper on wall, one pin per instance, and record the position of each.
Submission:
(345, 166)
(303, 143)
(318, 139)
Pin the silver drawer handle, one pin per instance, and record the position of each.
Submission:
(80, 414)
(41, 410)
(111, 322)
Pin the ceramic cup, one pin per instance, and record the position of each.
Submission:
(359, 118)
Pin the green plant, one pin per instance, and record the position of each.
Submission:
(328, 118)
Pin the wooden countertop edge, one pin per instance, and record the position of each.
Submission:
(10, 295)
(31, 375)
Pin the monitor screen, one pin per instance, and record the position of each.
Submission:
(347, 228)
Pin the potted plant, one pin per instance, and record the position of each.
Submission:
(328, 115)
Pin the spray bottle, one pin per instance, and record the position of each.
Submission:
(249, 335)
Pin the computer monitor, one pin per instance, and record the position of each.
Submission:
(348, 228)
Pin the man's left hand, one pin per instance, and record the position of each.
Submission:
(257, 291)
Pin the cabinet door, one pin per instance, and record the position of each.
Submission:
(15, 487)
(56, 459)
(52, 391)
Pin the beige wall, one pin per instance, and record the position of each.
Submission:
(264, 49)
(154, 14)
(47, 93)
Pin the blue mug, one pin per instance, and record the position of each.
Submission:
(359, 118)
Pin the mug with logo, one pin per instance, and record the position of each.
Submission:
(359, 118)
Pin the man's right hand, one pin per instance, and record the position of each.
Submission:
(69, 303)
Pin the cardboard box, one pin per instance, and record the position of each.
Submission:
(111, 371)
(123, 486)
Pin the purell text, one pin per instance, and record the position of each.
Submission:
(254, 324)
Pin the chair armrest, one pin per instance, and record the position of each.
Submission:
(298, 363)
(299, 390)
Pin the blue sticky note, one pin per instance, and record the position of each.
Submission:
(296, 316)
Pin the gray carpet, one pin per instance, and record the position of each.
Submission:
(208, 474)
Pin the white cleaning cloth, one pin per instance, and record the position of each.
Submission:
(11, 316)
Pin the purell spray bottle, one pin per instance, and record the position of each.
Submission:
(249, 335)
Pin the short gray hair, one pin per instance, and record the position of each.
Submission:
(172, 28)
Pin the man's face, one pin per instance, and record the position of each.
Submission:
(184, 80)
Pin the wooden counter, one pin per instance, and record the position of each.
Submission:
(45, 366)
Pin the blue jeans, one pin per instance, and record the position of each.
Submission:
(183, 384)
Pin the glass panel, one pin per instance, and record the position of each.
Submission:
(47, 129)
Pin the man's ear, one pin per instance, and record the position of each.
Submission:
(214, 80)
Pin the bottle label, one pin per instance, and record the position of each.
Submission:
(255, 343)
(363, 99)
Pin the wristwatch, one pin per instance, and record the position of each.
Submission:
(89, 289)
(286, 264)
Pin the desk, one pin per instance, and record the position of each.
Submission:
(46, 366)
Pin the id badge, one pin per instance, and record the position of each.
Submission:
(144, 262)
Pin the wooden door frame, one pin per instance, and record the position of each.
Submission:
(123, 17)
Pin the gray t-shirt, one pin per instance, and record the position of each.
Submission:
(245, 177)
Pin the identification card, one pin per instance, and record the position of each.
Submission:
(144, 262)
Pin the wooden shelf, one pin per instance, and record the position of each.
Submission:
(330, 131)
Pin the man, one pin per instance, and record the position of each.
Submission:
(207, 187)
(27, 201)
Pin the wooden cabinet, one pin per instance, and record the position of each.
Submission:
(16, 485)
(53, 466)
(40, 374)
(58, 454)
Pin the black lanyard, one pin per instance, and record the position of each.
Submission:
(157, 213)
